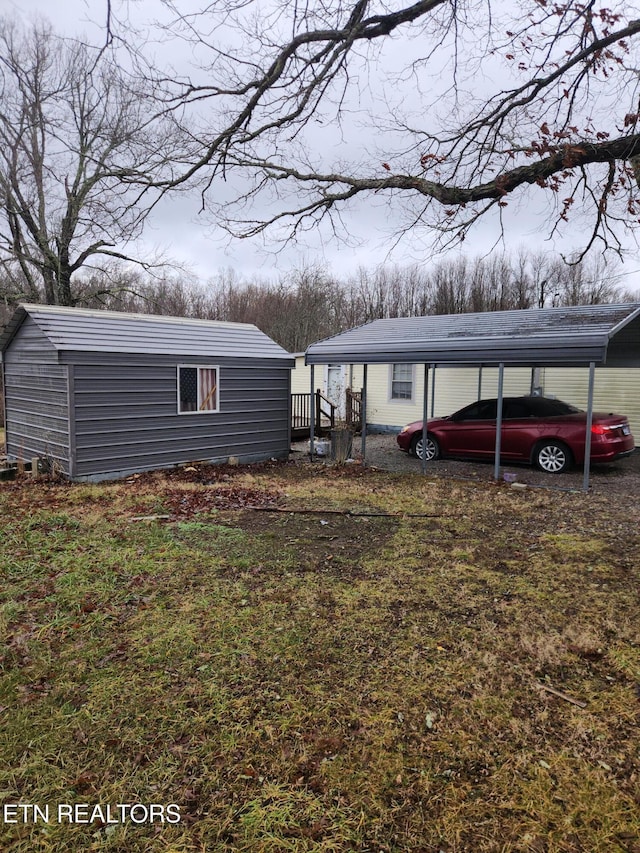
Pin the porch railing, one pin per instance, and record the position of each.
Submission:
(354, 410)
(325, 415)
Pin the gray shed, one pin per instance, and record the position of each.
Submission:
(106, 394)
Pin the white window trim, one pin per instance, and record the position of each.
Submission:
(198, 367)
(397, 401)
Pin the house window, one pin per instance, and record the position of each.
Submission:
(402, 382)
(197, 389)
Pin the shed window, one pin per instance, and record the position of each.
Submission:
(197, 389)
(401, 381)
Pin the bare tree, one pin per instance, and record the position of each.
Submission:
(459, 107)
(75, 132)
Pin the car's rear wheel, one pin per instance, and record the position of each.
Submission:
(433, 448)
(553, 457)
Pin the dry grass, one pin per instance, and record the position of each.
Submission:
(321, 682)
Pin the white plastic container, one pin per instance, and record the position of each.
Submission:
(321, 447)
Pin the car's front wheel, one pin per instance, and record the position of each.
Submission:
(553, 457)
(433, 448)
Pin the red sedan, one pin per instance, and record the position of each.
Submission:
(547, 433)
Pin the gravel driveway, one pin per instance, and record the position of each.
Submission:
(620, 478)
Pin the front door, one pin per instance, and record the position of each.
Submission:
(336, 388)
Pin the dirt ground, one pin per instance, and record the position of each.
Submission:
(621, 477)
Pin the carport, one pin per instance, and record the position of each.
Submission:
(587, 336)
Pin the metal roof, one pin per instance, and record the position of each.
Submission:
(545, 336)
(83, 330)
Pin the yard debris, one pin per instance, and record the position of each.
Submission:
(184, 503)
(352, 512)
(150, 518)
(561, 695)
(586, 653)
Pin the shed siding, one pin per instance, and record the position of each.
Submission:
(37, 413)
(36, 398)
(30, 346)
(126, 415)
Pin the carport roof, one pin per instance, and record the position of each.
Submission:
(604, 334)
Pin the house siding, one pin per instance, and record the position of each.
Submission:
(301, 377)
(615, 390)
(36, 399)
(126, 413)
(455, 387)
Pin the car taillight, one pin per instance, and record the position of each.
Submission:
(597, 429)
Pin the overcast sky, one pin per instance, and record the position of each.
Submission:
(177, 228)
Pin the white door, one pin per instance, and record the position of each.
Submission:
(336, 388)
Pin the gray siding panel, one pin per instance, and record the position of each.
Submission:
(127, 419)
(30, 346)
(623, 349)
(123, 365)
(37, 417)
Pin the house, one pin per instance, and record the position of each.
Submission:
(395, 391)
(103, 394)
(333, 381)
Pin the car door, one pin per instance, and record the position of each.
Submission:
(472, 431)
(516, 429)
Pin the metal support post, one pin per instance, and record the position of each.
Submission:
(496, 467)
(312, 415)
(425, 411)
(587, 436)
(363, 445)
